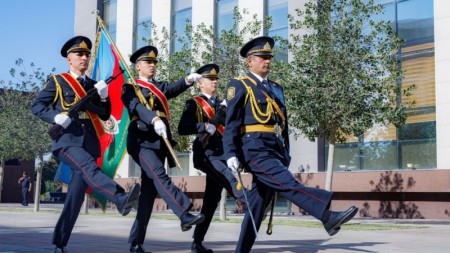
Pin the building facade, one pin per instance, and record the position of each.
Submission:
(388, 172)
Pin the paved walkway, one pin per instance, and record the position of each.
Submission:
(22, 230)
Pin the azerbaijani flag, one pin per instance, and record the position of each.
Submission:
(113, 142)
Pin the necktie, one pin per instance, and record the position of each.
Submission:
(268, 87)
(81, 81)
(213, 100)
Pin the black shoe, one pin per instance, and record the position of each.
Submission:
(60, 250)
(333, 225)
(124, 201)
(138, 249)
(198, 247)
(188, 220)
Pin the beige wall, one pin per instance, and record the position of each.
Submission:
(85, 22)
(442, 67)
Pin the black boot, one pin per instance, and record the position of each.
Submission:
(138, 249)
(333, 220)
(197, 247)
(124, 201)
(188, 220)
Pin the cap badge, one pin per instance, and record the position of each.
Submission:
(83, 45)
(267, 47)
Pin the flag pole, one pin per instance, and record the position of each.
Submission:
(138, 92)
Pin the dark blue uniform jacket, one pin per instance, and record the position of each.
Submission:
(240, 113)
(77, 134)
(188, 126)
(141, 132)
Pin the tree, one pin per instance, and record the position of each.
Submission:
(21, 135)
(346, 72)
(48, 173)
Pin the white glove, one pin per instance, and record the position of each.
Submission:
(224, 103)
(160, 127)
(102, 89)
(210, 128)
(233, 163)
(194, 77)
(62, 120)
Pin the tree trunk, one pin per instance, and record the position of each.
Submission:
(331, 144)
(223, 205)
(2, 168)
(37, 185)
(86, 204)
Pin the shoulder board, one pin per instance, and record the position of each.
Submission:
(241, 77)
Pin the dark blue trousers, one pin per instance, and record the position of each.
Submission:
(270, 175)
(154, 181)
(85, 172)
(218, 177)
(69, 214)
(25, 196)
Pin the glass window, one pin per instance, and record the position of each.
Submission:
(183, 158)
(413, 145)
(417, 138)
(110, 16)
(224, 15)
(278, 10)
(415, 20)
(142, 23)
(182, 13)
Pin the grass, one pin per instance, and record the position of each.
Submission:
(353, 225)
(277, 221)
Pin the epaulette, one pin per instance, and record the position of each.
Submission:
(241, 77)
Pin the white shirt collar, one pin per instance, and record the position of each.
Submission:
(259, 77)
(206, 95)
(76, 76)
(145, 79)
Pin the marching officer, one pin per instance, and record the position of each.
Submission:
(256, 135)
(78, 145)
(146, 146)
(204, 115)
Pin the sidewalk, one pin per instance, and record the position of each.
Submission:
(22, 230)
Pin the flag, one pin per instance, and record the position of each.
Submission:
(113, 143)
(63, 174)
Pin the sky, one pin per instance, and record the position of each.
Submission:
(35, 31)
